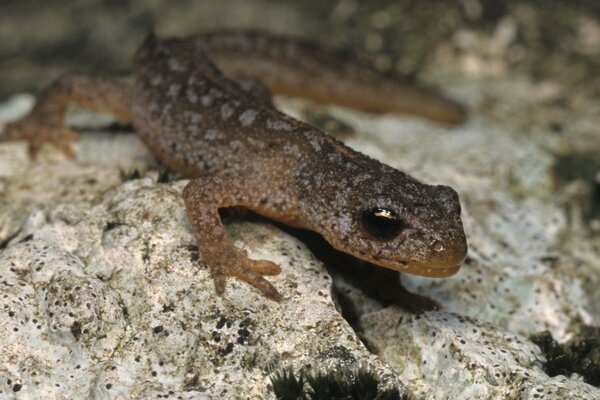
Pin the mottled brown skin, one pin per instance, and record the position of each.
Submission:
(240, 151)
(308, 70)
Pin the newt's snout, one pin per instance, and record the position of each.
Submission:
(448, 249)
(447, 255)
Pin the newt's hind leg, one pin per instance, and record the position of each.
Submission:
(203, 197)
(46, 121)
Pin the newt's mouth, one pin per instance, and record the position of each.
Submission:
(422, 269)
(433, 268)
(441, 263)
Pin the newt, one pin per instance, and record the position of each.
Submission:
(238, 150)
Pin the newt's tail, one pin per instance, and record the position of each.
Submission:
(297, 67)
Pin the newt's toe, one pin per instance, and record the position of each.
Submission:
(38, 132)
(244, 272)
(263, 267)
(247, 270)
(263, 285)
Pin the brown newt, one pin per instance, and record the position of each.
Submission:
(238, 150)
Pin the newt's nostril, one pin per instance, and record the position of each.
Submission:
(437, 246)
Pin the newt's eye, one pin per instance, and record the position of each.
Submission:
(381, 222)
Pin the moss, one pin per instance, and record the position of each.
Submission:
(583, 167)
(130, 175)
(351, 385)
(581, 355)
(164, 175)
(287, 386)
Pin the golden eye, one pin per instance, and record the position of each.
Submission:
(381, 222)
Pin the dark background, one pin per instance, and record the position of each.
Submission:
(41, 39)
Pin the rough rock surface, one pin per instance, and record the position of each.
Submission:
(104, 294)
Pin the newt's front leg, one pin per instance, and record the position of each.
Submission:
(46, 121)
(203, 197)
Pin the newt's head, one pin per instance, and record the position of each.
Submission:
(422, 235)
(384, 216)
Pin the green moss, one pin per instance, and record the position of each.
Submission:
(581, 355)
(286, 386)
(330, 385)
(570, 167)
(164, 175)
(365, 385)
(351, 385)
(583, 167)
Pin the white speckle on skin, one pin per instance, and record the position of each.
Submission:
(294, 149)
(278, 125)
(175, 65)
(206, 100)
(236, 144)
(226, 111)
(166, 110)
(156, 80)
(346, 222)
(358, 179)
(314, 142)
(216, 93)
(258, 144)
(193, 130)
(174, 90)
(247, 117)
(193, 117)
(191, 96)
(335, 158)
(212, 134)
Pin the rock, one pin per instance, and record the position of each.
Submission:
(444, 355)
(105, 294)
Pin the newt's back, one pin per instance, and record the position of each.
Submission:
(199, 122)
